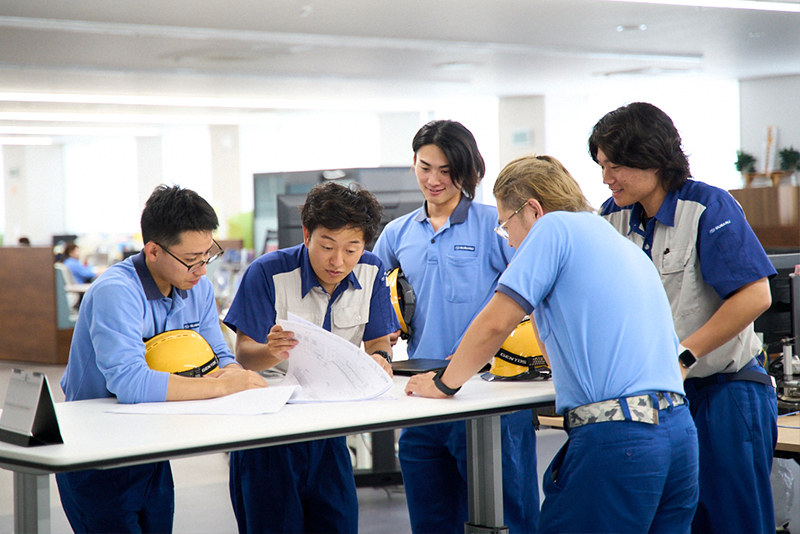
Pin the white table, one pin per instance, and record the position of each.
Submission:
(95, 439)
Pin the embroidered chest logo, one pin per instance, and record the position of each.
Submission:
(468, 248)
(190, 326)
(717, 227)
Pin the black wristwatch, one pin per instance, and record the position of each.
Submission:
(384, 354)
(686, 357)
(437, 381)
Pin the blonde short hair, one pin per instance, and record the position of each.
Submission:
(543, 178)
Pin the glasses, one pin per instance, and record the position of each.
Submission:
(501, 230)
(211, 253)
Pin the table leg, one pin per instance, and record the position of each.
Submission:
(31, 503)
(485, 476)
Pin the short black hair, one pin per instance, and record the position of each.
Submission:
(642, 136)
(170, 211)
(334, 206)
(459, 147)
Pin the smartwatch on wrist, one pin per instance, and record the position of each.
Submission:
(437, 381)
(685, 357)
(384, 354)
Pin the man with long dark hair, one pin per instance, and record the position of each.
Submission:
(715, 273)
(452, 257)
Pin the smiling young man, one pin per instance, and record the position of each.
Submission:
(162, 288)
(452, 258)
(715, 273)
(333, 282)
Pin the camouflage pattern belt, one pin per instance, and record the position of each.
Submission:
(640, 407)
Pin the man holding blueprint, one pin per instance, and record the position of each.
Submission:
(330, 281)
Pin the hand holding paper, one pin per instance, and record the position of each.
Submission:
(329, 368)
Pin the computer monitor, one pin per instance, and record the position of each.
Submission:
(782, 319)
(267, 187)
(290, 226)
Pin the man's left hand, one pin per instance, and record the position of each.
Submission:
(422, 385)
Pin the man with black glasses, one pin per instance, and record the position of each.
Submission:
(158, 290)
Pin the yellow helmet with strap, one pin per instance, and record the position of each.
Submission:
(520, 357)
(180, 352)
(404, 301)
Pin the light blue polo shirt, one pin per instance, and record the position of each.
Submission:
(120, 310)
(453, 271)
(600, 308)
(283, 282)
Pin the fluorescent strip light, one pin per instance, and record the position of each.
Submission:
(724, 4)
(76, 130)
(38, 141)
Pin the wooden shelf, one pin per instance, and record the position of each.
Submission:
(30, 330)
(774, 176)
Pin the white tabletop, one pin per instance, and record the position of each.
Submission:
(94, 438)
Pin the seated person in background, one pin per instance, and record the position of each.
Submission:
(333, 282)
(72, 259)
(604, 323)
(161, 288)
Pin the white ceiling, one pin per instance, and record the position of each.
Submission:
(275, 51)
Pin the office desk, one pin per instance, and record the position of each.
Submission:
(788, 433)
(77, 288)
(788, 436)
(95, 439)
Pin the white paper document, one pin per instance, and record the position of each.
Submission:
(249, 402)
(328, 368)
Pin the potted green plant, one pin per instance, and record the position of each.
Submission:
(745, 162)
(790, 159)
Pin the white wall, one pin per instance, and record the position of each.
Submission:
(705, 113)
(769, 102)
(34, 193)
(107, 180)
(101, 188)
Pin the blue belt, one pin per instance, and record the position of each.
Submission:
(749, 373)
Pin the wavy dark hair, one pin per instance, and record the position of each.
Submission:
(642, 136)
(459, 147)
(171, 210)
(334, 206)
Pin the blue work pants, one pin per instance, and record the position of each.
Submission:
(434, 464)
(737, 431)
(296, 488)
(624, 476)
(139, 498)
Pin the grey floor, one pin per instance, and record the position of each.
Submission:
(201, 486)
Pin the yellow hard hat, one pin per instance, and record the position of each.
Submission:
(180, 352)
(404, 301)
(520, 357)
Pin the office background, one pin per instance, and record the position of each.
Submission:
(206, 94)
(102, 100)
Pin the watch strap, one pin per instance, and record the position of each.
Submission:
(437, 381)
(686, 357)
(384, 354)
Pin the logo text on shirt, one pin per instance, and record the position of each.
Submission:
(717, 227)
(468, 248)
(189, 326)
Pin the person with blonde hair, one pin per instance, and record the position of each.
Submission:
(630, 461)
